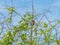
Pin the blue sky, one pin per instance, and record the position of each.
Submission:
(23, 6)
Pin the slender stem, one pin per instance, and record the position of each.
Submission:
(31, 36)
(47, 39)
(32, 8)
(32, 19)
(56, 38)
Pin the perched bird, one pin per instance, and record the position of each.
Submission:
(32, 22)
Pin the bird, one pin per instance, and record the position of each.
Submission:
(32, 22)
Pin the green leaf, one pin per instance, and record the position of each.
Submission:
(42, 31)
(34, 43)
(9, 20)
(48, 31)
(10, 9)
(52, 26)
(58, 22)
(45, 25)
(23, 37)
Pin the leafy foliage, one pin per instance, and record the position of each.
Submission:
(42, 33)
